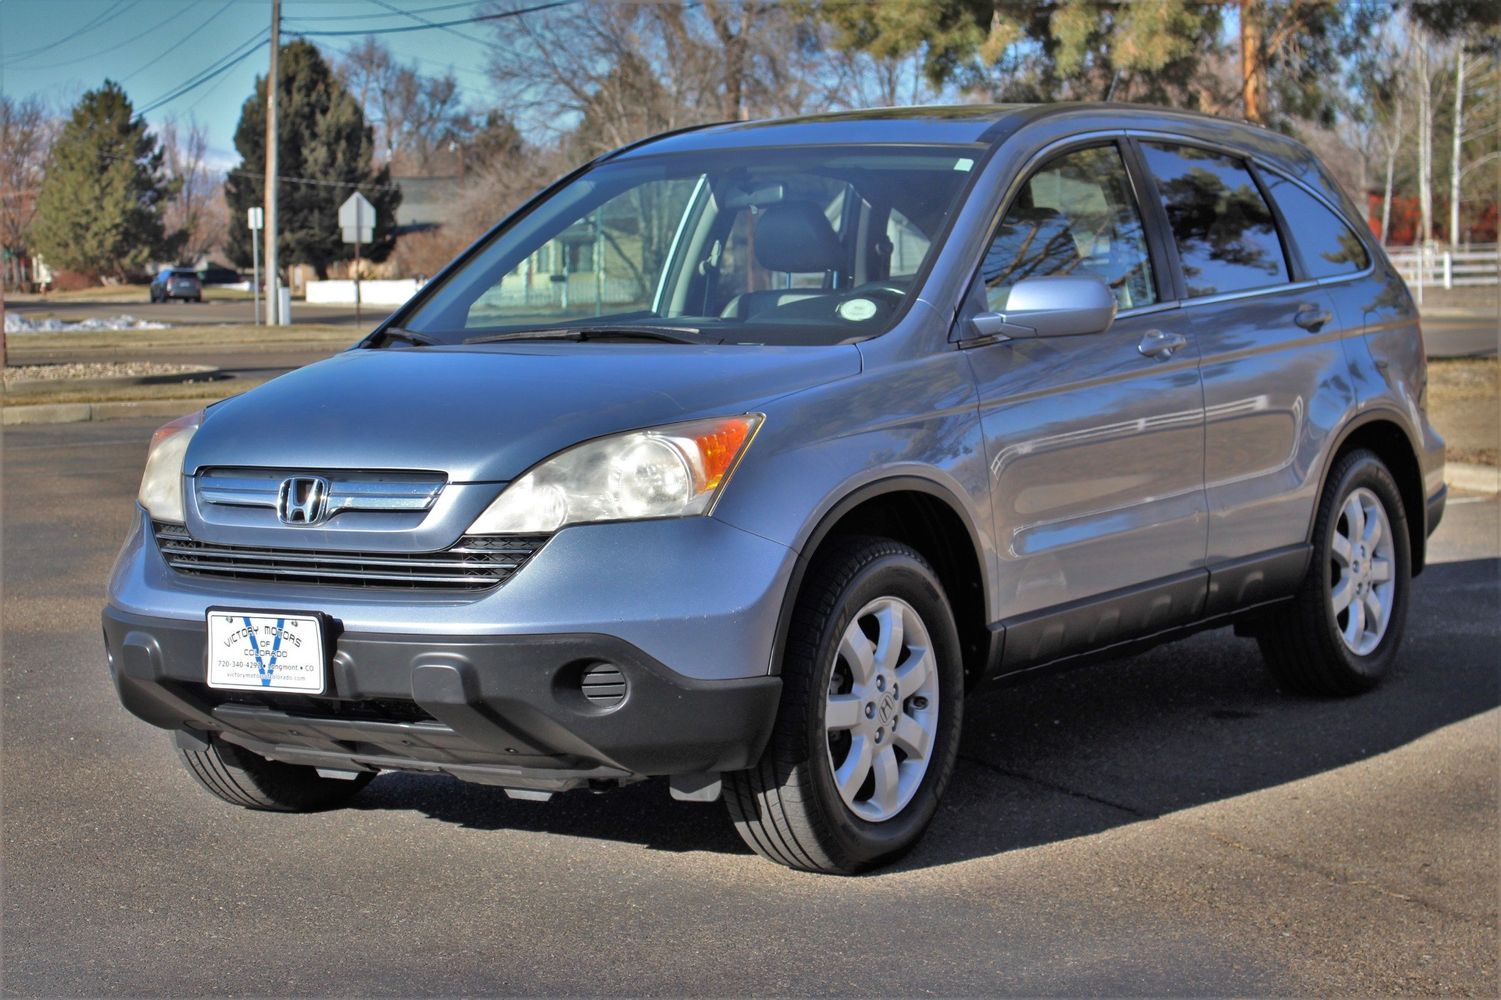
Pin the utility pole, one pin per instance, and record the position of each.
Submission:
(273, 292)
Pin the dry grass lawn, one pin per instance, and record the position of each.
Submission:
(1464, 403)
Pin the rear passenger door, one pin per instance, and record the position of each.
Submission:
(1276, 382)
(1095, 443)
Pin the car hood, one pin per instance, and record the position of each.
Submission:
(487, 414)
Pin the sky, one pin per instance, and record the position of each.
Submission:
(58, 49)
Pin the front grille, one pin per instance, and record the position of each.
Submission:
(353, 491)
(473, 563)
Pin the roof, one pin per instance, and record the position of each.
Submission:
(980, 125)
(964, 124)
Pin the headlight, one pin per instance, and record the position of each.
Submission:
(161, 483)
(671, 471)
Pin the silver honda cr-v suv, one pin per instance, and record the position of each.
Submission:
(742, 454)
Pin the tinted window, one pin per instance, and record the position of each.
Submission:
(1076, 215)
(1328, 246)
(1226, 238)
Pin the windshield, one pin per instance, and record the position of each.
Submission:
(774, 246)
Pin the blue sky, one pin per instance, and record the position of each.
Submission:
(179, 38)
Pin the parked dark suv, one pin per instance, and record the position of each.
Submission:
(743, 454)
(177, 283)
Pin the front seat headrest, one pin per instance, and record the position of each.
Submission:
(795, 236)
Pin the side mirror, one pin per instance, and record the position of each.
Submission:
(1061, 306)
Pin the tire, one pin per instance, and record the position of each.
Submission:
(788, 807)
(246, 779)
(1314, 646)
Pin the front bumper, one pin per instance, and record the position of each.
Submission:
(696, 594)
(504, 710)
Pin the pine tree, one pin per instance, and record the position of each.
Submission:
(323, 138)
(100, 208)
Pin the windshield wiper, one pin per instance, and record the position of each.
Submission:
(664, 334)
(396, 333)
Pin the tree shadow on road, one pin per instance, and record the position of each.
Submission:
(1075, 753)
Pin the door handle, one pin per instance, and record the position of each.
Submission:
(1312, 318)
(1157, 344)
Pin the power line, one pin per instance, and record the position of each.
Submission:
(177, 44)
(366, 17)
(422, 20)
(104, 52)
(221, 66)
(108, 13)
(429, 25)
(438, 64)
(319, 182)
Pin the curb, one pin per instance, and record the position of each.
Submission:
(1458, 312)
(69, 413)
(1473, 478)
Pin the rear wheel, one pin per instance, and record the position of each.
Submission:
(868, 728)
(1341, 633)
(246, 779)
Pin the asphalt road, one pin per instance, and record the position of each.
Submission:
(1166, 825)
(1470, 336)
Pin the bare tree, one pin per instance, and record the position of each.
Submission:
(1426, 71)
(26, 134)
(416, 116)
(1476, 106)
(195, 209)
(1391, 143)
(633, 69)
(1455, 157)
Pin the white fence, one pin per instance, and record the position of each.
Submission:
(1434, 266)
(372, 293)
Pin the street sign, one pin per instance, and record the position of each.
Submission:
(357, 219)
(256, 217)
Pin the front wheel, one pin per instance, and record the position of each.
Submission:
(868, 727)
(251, 781)
(1341, 633)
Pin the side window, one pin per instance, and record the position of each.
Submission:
(1075, 215)
(1227, 241)
(1327, 245)
(607, 260)
(909, 245)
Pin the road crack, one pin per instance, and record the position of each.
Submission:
(1056, 787)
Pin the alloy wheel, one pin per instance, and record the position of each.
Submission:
(881, 712)
(1362, 585)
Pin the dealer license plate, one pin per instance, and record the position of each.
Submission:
(265, 652)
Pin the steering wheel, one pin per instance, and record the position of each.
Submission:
(872, 289)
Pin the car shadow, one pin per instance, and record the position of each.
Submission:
(1073, 753)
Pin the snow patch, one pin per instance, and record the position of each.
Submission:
(17, 323)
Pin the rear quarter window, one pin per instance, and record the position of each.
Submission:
(1327, 245)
